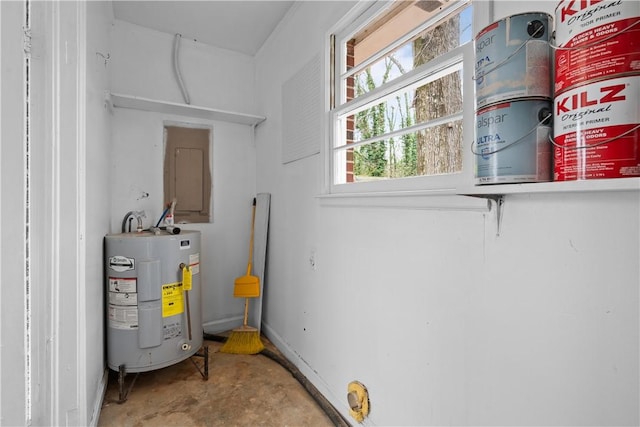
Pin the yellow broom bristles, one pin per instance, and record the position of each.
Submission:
(243, 341)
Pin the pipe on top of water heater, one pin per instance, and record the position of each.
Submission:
(138, 215)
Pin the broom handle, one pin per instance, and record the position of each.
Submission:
(246, 312)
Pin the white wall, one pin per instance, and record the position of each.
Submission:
(141, 65)
(214, 77)
(57, 176)
(12, 222)
(98, 201)
(443, 321)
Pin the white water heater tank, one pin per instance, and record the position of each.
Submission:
(154, 316)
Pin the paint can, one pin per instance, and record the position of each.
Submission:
(513, 59)
(512, 142)
(597, 130)
(595, 40)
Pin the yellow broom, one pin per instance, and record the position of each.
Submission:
(246, 339)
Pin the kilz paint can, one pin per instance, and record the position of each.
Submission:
(512, 142)
(597, 130)
(513, 58)
(596, 40)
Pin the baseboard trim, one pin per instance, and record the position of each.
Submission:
(102, 391)
(338, 402)
(222, 325)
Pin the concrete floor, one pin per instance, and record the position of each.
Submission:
(242, 390)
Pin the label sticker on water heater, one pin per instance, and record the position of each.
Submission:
(123, 303)
(172, 301)
(123, 317)
(194, 263)
(122, 298)
(121, 263)
(122, 284)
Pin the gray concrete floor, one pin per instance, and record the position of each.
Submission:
(242, 390)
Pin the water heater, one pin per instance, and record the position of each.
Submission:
(154, 316)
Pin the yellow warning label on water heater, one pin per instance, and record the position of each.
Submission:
(172, 299)
(186, 278)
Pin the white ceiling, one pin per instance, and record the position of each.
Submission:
(238, 25)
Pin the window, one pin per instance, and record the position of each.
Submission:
(187, 176)
(402, 99)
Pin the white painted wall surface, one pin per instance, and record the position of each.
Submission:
(98, 198)
(55, 311)
(445, 323)
(142, 66)
(13, 350)
(214, 77)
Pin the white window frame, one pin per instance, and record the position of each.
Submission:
(359, 17)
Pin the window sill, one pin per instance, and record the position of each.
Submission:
(582, 186)
(154, 105)
(445, 199)
(455, 199)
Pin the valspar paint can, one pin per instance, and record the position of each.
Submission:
(512, 142)
(513, 59)
(596, 40)
(597, 130)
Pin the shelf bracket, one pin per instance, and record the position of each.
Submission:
(499, 201)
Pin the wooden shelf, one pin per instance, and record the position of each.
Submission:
(153, 105)
(592, 185)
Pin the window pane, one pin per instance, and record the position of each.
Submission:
(439, 149)
(401, 96)
(436, 150)
(429, 101)
(448, 34)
